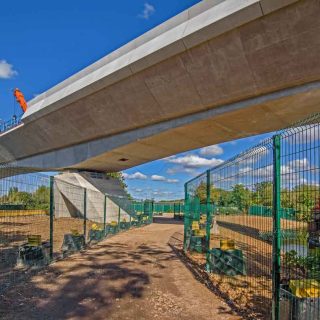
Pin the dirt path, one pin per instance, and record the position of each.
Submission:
(134, 275)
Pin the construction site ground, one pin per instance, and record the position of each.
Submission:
(133, 275)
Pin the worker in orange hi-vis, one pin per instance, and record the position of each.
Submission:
(20, 99)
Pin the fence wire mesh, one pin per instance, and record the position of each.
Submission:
(45, 218)
(254, 222)
(242, 193)
(299, 236)
(69, 221)
(24, 214)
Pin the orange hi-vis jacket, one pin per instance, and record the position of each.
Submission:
(20, 99)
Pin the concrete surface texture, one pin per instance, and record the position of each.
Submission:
(69, 197)
(134, 275)
(218, 71)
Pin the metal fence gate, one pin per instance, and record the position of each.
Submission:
(255, 222)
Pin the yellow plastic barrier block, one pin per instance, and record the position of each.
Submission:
(34, 240)
(96, 227)
(227, 244)
(203, 218)
(200, 233)
(307, 288)
(195, 225)
(75, 232)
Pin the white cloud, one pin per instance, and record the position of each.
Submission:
(245, 170)
(6, 70)
(291, 172)
(155, 177)
(300, 164)
(265, 172)
(135, 176)
(161, 195)
(177, 169)
(172, 180)
(148, 10)
(140, 176)
(164, 179)
(194, 161)
(213, 150)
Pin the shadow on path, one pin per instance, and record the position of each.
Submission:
(85, 283)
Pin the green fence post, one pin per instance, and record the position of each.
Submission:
(276, 243)
(208, 224)
(186, 219)
(105, 215)
(144, 209)
(85, 215)
(119, 213)
(152, 211)
(51, 215)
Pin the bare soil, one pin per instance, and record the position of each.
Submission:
(250, 293)
(133, 275)
(14, 231)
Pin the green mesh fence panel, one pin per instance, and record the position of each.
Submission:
(195, 214)
(158, 208)
(138, 207)
(24, 220)
(70, 227)
(236, 246)
(300, 243)
(43, 218)
(264, 242)
(286, 213)
(178, 210)
(148, 212)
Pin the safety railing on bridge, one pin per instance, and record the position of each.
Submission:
(254, 222)
(9, 124)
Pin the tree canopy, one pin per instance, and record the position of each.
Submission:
(38, 199)
(302, 198)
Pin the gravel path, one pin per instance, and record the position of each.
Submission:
(134, 275)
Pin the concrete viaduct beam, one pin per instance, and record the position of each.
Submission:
(192, 81)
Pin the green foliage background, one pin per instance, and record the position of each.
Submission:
(39, 199)
(302, 198)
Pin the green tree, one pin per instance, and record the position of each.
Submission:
(262, 194)
(219, 196)
(241, 197)
(39, 199)
(304, 198)
(119, 176)
(42, 198)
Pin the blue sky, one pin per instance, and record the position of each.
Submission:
(43, 42)
(165, 178)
